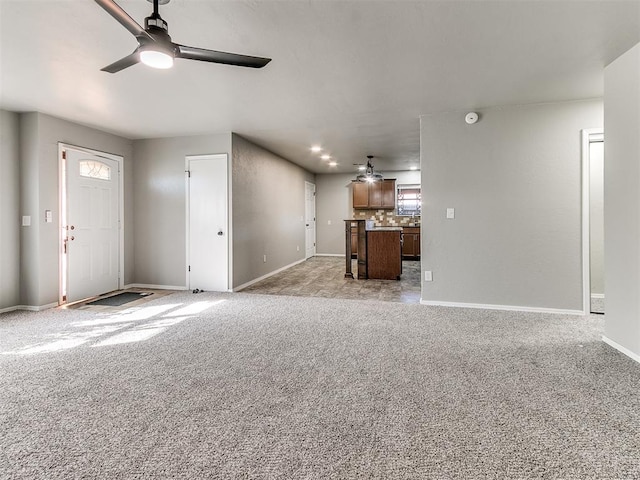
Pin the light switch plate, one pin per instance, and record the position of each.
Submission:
(428, 276)
(451, 213)
(26, 220)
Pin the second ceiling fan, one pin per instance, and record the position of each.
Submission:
(156, 49)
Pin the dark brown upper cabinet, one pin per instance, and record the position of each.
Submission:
(374, 195)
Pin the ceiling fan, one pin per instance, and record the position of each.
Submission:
(156, 49)
(369, 175)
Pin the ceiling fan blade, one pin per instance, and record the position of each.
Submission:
(123, 63)
(204, 55)
(122, 17)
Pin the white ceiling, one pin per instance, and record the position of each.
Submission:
(353, 76)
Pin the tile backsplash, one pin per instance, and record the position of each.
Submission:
(385, 218)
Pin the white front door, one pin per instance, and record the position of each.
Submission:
(310, 219)
(207, 223)
(91, 229)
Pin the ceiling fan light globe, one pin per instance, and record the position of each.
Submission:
(156, 59)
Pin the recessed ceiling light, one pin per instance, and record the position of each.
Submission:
(413, 167)
(316, 149)
(325, 157)
(333, 164)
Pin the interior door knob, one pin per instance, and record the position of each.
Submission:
(220, 233)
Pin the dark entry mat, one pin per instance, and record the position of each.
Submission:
(119, 299)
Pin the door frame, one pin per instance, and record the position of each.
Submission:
(62, 204)
(588, 135)
(228, 223)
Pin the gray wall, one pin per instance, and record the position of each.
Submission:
(160, 204)
(622, 200)
(334, 204)
(30, 205)
(9, 210)
(514, 179)
(39, 191)
(268, 211)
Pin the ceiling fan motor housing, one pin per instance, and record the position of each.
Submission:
(159, 31)
(155, 21)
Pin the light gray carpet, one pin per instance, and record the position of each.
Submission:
(271, 387)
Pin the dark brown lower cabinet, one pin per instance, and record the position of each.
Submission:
(384, 254)
(411, 242)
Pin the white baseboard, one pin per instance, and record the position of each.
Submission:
(597, 295)
(12, 309)
(512, 308)
(330, 255)
(621, 349)
(30, 308)
(155, 287)
(270, 274)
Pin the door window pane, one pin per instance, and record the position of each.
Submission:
(95, 169)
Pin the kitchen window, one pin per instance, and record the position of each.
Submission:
(409, 200)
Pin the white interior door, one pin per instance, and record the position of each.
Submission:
(596, 223)
(208, 239)
(91, 241)
(310, 219)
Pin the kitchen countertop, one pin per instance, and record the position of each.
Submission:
(385, 229)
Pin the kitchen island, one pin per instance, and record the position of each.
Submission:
(379, 251)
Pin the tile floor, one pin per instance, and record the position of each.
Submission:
(324, 277)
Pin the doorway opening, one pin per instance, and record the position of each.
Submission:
(593, 221)
(91, 237)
